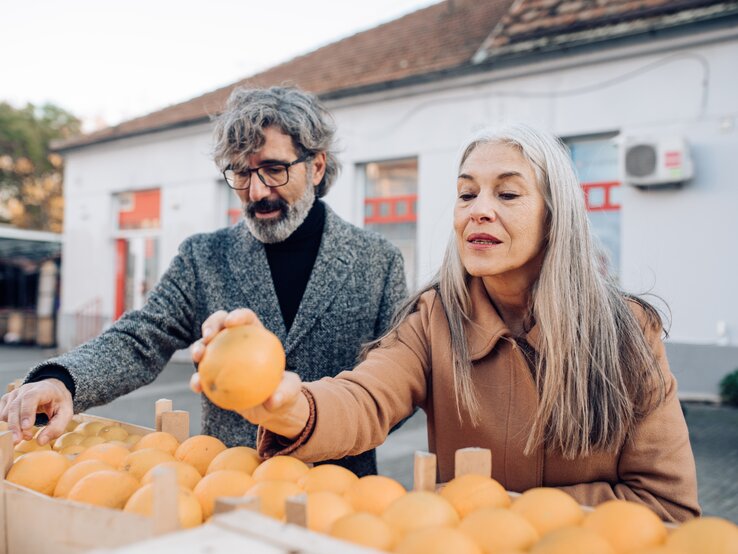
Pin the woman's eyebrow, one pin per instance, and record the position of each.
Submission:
(508, 174)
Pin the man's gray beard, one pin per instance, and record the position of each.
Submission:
(270, 231)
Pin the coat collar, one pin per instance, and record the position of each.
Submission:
(330, 271)
(248, 264)
(485, 326)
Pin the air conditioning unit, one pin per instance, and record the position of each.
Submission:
(655, 161)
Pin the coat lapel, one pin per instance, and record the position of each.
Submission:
(485, 326)
(249, 266)
(330, 271)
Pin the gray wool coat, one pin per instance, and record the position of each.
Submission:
(356, 284)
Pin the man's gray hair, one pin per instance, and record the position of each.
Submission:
(239, 130)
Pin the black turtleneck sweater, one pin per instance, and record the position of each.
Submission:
(291, 261)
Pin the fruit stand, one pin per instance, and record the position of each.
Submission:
(311, 510)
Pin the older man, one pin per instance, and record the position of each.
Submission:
(320, 284)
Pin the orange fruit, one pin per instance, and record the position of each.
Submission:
(499, 529)
(76, 472)
(90, 428)
(39, 470)
(364, 529)
(67, 439)
(548, 509)
(112, 433)
(419, 509)
(199, 451)
(706, 534)
(91, 440)
(159, 440)
(138, 463)
(73, 451)
(626, 525)
(374, 493)
(187, 475)
(272, 496)
(469, 492)
(226, 482)
(31, 445)
(241, 367)
(324, 508)
(111, 454)
(132, 440)
(109, 489)
(239, 458)
(281, 468)
(327, 477)
(71, 426)
(188, 508)
(572, 540)
(437, 540)
(662, 549)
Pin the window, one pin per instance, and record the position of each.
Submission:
(596, 162)
(137, 247)
(390, 206)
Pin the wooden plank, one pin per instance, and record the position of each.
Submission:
(177, 423)
(229, 503)
(67, 527)
(206, 539)
(424, 471)
(6, 459)
(166, 510)
(477, 461)
(295, 510)
(160, 406)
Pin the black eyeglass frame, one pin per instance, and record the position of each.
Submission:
(286, 165)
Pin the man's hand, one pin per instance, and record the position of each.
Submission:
(19, 409)
(216, 323)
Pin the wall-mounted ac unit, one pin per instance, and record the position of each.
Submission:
(655, 161)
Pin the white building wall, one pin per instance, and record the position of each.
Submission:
(679, 244)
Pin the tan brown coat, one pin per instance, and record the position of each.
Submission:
(355, 411)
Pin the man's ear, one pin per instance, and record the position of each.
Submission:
(319, 166)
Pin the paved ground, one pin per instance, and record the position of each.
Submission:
(713, 429)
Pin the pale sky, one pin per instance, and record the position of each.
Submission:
(111, 60)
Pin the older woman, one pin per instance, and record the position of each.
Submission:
(520, 345)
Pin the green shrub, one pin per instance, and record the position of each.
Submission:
(729, 388)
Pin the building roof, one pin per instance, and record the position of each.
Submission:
(535, 25)
(450, 36)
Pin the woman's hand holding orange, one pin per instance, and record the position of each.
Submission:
(286, 411)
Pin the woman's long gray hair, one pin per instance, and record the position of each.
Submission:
(239, 130)
(596, 373)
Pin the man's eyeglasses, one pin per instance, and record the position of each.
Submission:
(273, 174)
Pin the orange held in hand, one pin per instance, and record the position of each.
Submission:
(242, 367)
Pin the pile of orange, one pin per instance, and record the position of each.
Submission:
(470, 514)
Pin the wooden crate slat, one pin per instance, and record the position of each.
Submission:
(206, 539)
(66, 527)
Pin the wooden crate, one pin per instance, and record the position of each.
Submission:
(243, 530)
(31, 522)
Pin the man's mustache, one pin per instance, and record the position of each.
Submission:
(266, 205)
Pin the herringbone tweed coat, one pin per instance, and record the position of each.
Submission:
(356, 285)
